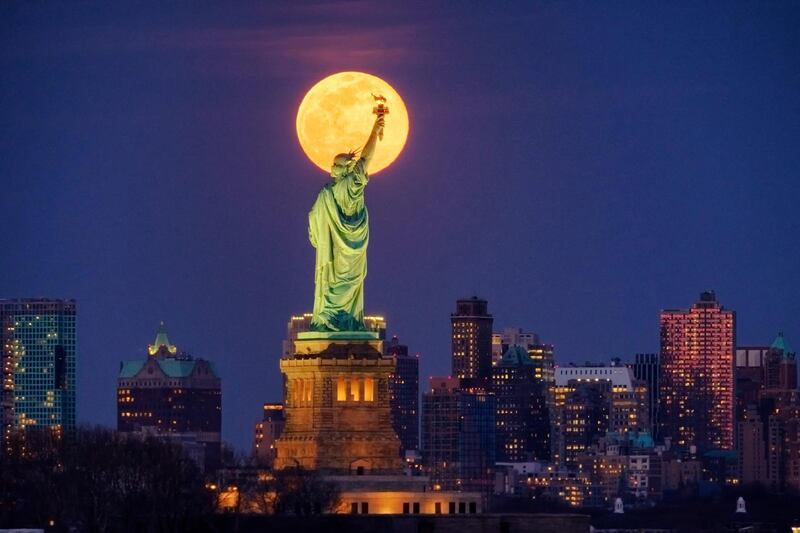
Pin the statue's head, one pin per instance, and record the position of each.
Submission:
(342, 164)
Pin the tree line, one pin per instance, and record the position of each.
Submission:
(99, 480)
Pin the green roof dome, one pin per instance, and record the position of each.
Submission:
(516, 355)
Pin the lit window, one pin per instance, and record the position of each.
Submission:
(341, 390)
(354, 390)
(369, 389)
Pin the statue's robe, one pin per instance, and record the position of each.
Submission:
(338, 228)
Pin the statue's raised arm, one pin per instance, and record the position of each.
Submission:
(369, 146)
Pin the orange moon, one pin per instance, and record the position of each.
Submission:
(336, 116)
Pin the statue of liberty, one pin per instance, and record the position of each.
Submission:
(338, 227)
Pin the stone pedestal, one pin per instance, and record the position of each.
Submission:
(338, 419)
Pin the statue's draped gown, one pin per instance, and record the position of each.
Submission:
(338, 228)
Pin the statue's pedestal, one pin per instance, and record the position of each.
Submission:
(338, 418)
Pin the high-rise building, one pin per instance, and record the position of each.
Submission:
(523, 418)
(780, 366)
(458, 432)
(38, 364)
(783, 439)
(503, 340)
(404, 394)
(541, 354)
(697, 375)
(300, 323)
(645, 368)
(591, 401)
(472, 341)
(440, 428)
(267, 432)
(174, 396)
(751, 447)
(476, 440)
(749, 376)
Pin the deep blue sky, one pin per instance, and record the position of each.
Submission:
(580, 165)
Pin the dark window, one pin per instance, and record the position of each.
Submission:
(451, 507)
(473, 507)
(416, 507)
(405, 508)
(364, 508)
(354, 508)
(462, 507)
(360, 471)
(437, 507)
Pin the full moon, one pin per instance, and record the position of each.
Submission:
(336, 116)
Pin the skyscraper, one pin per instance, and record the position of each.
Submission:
(404, 394)
(173, 396)
(503, 340)
(38, 364)
(749, 377)
(751, 447)
(780, 365)
(645, 368)
(697, 375)
(472, 341)
(523, 419)
(440, 432)
(458, 436)
(783, 440)
(591, 401)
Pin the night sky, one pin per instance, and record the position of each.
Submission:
(579, 165)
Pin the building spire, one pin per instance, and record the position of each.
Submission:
(162, 341)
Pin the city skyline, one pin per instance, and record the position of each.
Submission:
(631, 160)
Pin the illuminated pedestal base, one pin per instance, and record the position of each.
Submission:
(338, 419)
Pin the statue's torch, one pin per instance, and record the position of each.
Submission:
(380, 109)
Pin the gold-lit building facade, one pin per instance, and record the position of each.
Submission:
(338, 417)
(471, 338)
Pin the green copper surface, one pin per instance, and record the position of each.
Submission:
(780, 344)
(338, 227)
(338, 335)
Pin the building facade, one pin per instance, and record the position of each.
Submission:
(523, 416)
(780, 365)
(471, 338)
(440, 432)
(645, 368)
(752, 448)
(503, 340)
(338, 414)
(38, 364)
(267, 432)
(697, 375)
(404, 394)
(174, 396)
(749, 376)
(590, 401)
(458, 436)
